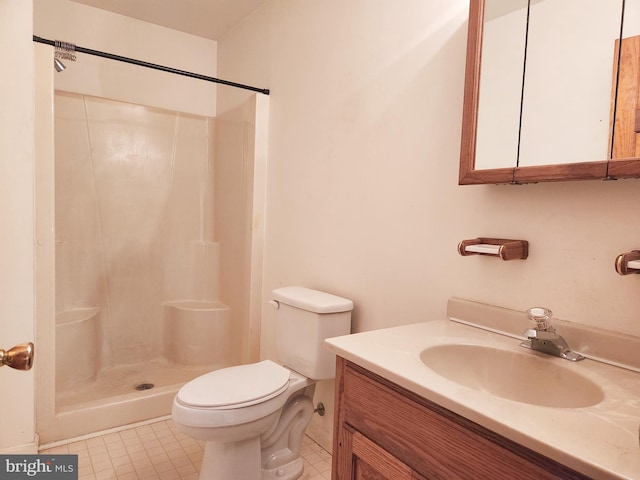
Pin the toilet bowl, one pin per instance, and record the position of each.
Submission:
(243, 412)
(253, 417)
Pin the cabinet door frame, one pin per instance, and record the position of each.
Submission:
(378, 463)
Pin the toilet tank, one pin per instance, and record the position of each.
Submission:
(304, 318)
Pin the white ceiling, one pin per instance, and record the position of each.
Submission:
(204, 18)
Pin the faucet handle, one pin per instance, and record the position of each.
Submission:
(541, 316)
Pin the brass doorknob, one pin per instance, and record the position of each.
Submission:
(19, 357)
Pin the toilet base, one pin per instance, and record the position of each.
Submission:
(291, 471)
(242, 462)
(237, 460)
(273, 456)
(281, 447)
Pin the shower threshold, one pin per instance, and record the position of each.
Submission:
(112, 400)
(125, 380)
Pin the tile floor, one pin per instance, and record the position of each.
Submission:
(159, 451)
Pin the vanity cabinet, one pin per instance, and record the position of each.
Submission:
(383, 431)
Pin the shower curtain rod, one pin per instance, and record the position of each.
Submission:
(162, 68)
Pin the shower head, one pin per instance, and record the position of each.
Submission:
(58, 65)
(63, 51)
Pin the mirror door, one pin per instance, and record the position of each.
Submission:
(567, 89)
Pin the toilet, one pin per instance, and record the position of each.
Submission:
(252, 417)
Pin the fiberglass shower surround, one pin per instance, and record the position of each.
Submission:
(97, 317)
(154, 279)
(135, 240)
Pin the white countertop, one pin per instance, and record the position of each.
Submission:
(600, 441)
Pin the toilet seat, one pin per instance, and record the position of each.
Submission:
(235, 387)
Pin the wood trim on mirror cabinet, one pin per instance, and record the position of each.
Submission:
(468, 174)
(624, 168)
(561, 172)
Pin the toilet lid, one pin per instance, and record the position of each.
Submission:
(242, 385)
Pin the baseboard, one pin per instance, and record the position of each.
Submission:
(25, 449)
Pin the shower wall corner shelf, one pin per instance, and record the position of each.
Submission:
(495, 247)
(627, 263)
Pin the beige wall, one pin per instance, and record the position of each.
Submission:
(97, 29)
(362, 195)
(363, 200)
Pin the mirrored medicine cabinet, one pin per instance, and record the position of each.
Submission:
(552, 91)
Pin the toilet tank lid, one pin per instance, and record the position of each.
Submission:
(312, 300)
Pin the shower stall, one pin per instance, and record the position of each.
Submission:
(148, 257)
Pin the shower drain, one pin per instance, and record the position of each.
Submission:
(145, 386)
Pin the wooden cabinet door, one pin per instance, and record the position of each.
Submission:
(371, 462)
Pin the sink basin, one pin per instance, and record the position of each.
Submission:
(519, 376)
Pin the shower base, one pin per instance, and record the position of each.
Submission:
(113, 401)
(123, 379)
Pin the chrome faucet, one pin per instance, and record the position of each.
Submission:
(544, 338)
